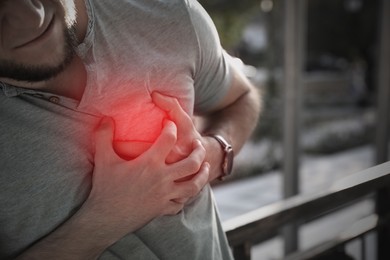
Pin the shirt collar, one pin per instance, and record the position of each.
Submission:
(12, 91)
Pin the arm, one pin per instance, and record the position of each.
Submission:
(234, 118)
(125, 196)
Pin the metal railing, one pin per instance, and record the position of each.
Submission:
(267, 222)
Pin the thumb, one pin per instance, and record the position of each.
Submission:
(170, 105)
(104, 137)
(166, 103)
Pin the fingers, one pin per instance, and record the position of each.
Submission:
(164, 143)
(104, 136)
(171, 106)
(191, 164)
(192, 187)
(189, 189)
(166, 103)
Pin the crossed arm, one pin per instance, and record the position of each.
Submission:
(142, 189)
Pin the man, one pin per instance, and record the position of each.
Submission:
(100, 157)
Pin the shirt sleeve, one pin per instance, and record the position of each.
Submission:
(212, 77)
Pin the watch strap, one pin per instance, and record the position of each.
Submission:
(227, 163)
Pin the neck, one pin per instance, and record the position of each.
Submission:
(82, 19)
(71, 82)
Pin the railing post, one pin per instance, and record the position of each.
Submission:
(382, 129)
(242, 252)
(383, 210)
(383, 87)
(294, 57)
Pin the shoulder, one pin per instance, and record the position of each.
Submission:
(131, 9)
(148, 17)
(162, 7)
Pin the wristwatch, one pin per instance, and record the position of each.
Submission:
(227, 163)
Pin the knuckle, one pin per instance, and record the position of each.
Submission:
(202, 151)
(193, 164)
(202, 146)
(171, 135)
(199, 151)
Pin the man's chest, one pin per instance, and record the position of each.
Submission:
(128, 100)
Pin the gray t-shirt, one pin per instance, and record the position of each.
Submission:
(132, 48)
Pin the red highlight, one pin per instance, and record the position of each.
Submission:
(137, 121)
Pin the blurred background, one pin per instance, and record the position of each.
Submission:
(320, 70)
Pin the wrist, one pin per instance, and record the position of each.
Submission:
(214, 156)
(223, 159)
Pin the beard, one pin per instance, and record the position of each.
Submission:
(37, 73)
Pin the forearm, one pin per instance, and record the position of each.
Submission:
(235, 123)
(81, 237)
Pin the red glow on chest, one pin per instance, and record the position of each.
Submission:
(137, 121)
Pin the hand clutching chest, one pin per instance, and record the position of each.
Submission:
(131, 186)
(138, 125)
